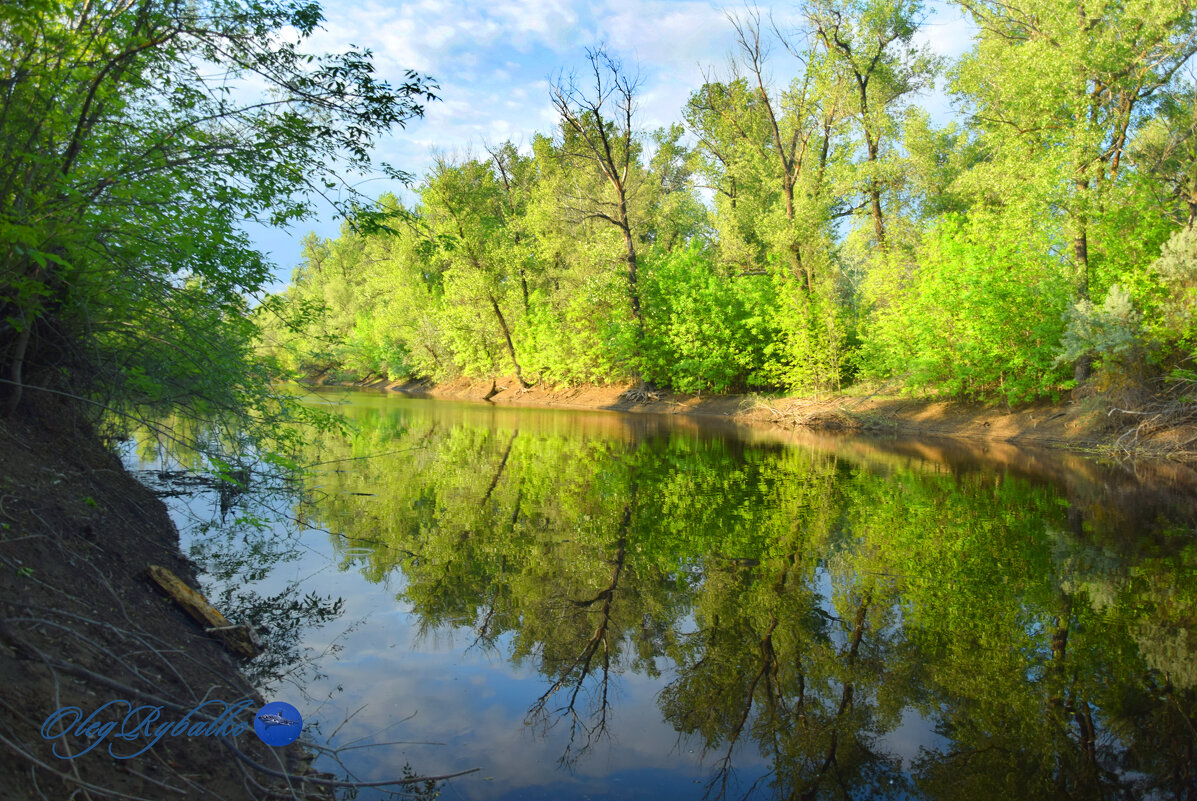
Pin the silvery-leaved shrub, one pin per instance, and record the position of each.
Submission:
(1176, 270)
(1110, 330)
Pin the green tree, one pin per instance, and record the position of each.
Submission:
(774, 157)
(1060, 92)
(870, 47)
(131, 155)
(467, 209)
(598, 137)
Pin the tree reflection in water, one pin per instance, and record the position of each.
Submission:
(797, 600)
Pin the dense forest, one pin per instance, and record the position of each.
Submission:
(809, 235)
(799, 236)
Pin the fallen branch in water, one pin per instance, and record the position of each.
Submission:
(248, 760)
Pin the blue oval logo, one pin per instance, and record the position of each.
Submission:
(278, 723)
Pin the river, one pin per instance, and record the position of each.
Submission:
(602, 605)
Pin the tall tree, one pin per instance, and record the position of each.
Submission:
(871, 44)
(467, 208)
(1060, 90)
(766, 145)
(598, 133)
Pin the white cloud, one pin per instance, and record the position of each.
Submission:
(948, 32)
(547, 23)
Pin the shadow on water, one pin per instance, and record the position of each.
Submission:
(812, 617)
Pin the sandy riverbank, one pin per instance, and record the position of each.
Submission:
(1078, 426)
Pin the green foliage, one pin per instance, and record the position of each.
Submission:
(816, 346)
(842, 229)
(704, 330)
(131, 156)
(981, 315)
(813, 233)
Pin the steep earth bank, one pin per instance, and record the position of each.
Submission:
(81, 625)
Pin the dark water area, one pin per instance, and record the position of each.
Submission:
(598, 605)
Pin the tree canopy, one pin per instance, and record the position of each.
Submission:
(138, 136)
(808, 234)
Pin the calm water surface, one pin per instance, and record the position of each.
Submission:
(598, 605)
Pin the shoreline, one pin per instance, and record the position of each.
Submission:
(1078, 426)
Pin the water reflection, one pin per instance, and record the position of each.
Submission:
(818, 618)
(796, 603)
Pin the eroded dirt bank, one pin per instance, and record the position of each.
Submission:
(81, 625)
(1071, 425)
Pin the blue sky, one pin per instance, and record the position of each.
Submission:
(494, 60)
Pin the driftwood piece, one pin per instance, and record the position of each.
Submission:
(239, 639)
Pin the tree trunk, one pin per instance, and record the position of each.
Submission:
(17, 387)
(875, 196)
(1080, 252)
(494, 304)
(633, 280)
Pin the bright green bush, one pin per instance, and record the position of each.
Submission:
(571, 338)
(704, 330)
(980, 315)
(814, 346)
